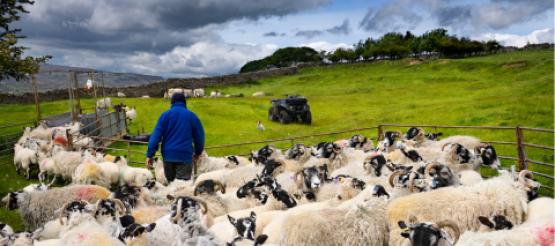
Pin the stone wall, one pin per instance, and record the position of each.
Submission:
(156, 89)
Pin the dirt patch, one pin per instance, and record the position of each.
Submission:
(413, 62)
(515, 64)
(444, 61)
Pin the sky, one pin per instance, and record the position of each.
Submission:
(197, 38)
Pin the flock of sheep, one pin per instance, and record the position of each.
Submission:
(410, 189)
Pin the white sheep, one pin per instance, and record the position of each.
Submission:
(120, 94)
(37, 208)
(463, 204)
(104, 103)
(24, 159)
(130, 113)
(42, 132)
(135, 176)
(198, 92)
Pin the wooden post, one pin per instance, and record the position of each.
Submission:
(76, 88)
(70, 92)
(380, 132)
(36, 94)
(522, 165)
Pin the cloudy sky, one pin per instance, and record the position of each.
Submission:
(184, 38)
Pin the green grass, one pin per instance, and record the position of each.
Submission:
(500, 90)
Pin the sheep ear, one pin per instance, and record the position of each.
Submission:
(253, 215)
(170, 197)
(402, 224)
(485, 221)
(231, 220)
(126, 220)
(150, 227)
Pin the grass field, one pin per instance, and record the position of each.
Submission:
(500, 90)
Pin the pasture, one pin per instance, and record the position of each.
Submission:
(500, 90)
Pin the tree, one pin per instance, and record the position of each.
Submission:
(12, 64)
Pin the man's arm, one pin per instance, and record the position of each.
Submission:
(198, 135)
(155, 137)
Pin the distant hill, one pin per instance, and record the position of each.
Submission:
(50, 78)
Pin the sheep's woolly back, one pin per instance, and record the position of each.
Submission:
(40, 207)
(462, 205)
(524, 234)
(466, 141)
(365, 225)
(540, 209)
(147, 215)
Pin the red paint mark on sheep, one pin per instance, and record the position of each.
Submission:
(84, 193)
(545, 236)
(81, 237)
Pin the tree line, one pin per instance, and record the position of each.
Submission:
(390, 46)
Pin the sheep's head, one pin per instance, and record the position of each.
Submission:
(350, 181)
(487, 155)
(134, 231)
(441, 175)
(374, 164)
(414, 132)
(270, 166)
(428, 233)
(297, 151)
(75, 209)
(13, 199)
(128, 194)
(390, 137)
(184, 205)
(409, 179)
(209, 187)
(496, 222)
(245, 226)
(527, 182)
(327, 149)
(459, 153)
(109, 207)
(357, 141)
(284, 197)
(433, 136)
(263, 154)
(312, 177)
(412, 154)
(232, 161)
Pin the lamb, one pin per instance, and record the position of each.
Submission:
(104, 103)
(463, 203)
(134, 234)
(37, 208)
(24, 159)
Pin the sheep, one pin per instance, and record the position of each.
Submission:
(135, 176)
(37, 208)
(208, 163)
(463, 203)
(214, 94)
(130, 113)
(259, 94)
(104, 103)
(206, 190)
(134, 234)
(469, 177)
(428, 233)
(159, 174)
(536, 230)
(364, 224)
(388, 143)
(37, 187)
(24, 159)
(120, 94)
(83, 143)
(361, 142)
(149, 214)
(145, 96)
(66, 162)
(187, 224)
(19, 239)
(244, 227)
(42, 132)
(198, 92)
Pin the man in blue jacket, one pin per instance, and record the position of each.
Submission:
(178, 129)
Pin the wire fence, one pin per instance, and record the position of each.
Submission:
(107, 129)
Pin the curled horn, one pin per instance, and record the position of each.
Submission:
(222, 186)
(204, 206)
(451, 224)
(195, 190)
(443, 147)
(479, 146)
(392, 177)
(429, 168)
(120, 206)
(96, 205)
(412, 176)
(63, 213)
(523, 175)
(178, 212)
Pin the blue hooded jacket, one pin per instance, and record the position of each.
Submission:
(177, 128)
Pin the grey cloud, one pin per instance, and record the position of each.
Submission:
(309, 33)
(393, 16)
(344, 28)
(273, 34)
(151, 25)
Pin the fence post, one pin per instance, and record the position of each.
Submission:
(380, 132)
(520, 149)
